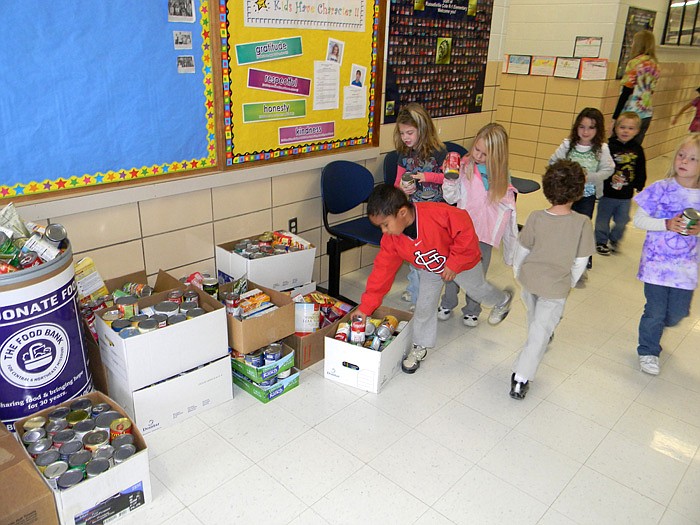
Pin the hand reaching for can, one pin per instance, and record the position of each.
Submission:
(408, 183)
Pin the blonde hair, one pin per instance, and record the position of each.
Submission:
(644, 43)
(496, 145)
(413, 114)
(691, 140)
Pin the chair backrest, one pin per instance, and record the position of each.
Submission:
(344, 185)
(390, 166)
(453, 146)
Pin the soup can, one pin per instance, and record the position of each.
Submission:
(96, 466)
(175, 296)
(59, 413)
(123, 453)
(191, 297)
(186, 306)
(284, 374)
(45, 459)
(161, 319)
(104, 420)
(100, 408)
(105, 452)
(120, 324)
(70, 478)
(123, 439)
(79, 459)
(177, 318)
(34, 422)
(195, 312)
(690, 218)
(256, 359)
(451, 166)
(357, 330)
(33, 436)
(168, 308)
(272, 353)
(83, 427)
(70, 448)
(147, 325)
(135, 320)
(95, 439)
(129, 332)
(119, 427)
(110, 316)
(63, 436)
(39, 447)
(53, 427)
(128, 306)
(83, 403)
(54, 471)
(75, 416)
(387, 327)
(210, 285)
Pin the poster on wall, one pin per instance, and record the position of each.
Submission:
(519, 64)
(567, 67)
(543, 66)
(637, 20)
(298, 76)
(436, 55)
(588, 46)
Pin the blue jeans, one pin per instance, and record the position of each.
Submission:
(665, 306)
(616, 209)
(585, 206)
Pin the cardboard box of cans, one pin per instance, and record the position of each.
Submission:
(267, 393)
(249, 335)
(115, 492)
(279, 272)
(365, 368)
(25, 498)
(266, 371)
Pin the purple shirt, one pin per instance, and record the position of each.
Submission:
(668, 258)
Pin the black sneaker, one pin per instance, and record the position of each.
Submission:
(614, 247)
(518, 389)
(590, 263)
(602, 249)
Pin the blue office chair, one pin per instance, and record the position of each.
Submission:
(453, 146)
(344, 186)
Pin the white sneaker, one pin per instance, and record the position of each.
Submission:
(412, 308)
(470, 320)
(649, 364)
(411, 362)
(444, 313)
(406, 296)
(500, 311)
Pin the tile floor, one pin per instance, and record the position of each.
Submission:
(595, 442)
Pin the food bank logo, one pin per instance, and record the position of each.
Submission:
(34, 356)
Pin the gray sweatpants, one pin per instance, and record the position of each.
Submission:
(471, 281)
(450, 298)
(543, 316)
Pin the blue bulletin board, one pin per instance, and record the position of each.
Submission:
(95, 93)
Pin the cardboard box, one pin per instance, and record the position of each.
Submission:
(97, 367)
(25, 498)
(267, 393)
(140, 361)
(309, 349)
(117, 492)
(250, 335)
(279, 272)
(364, 368)
(262, 373)
(301, 290)
(178, 398)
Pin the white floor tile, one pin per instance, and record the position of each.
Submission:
(672, 399)
(363, 429)
(463, 430)
(368, 497)
(308, 517)
(445, 374)
(534, 468)
(672, 517)
(241, 400)
(480, 497)
(685, 500)
(251, 497)
(638, 467)
(591, 497)
(296, 466)
(197, 466)
(184, 517)
(261, 429)
(432, 517)
(421, 466)
(552, 517)
(163, 506)
(164, 439)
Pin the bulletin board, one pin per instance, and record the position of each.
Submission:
(298, 76)
(437, 54)
(95, 93)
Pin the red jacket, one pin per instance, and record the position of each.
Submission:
(446, 237)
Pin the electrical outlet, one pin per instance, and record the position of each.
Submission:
(293, 225)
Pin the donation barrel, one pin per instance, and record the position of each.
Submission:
(43, 360)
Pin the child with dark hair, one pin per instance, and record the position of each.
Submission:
(695, 103)
(550, 257)
(440, 242)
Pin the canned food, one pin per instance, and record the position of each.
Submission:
(63, 436)
(29, 259)
(70, 478)
(147, 325)
(39, 447)
(100, 408)
(105, 452)
(110, 316)
(55, 426)
(96, 466)
(119, 427)
(161, 319)
(33, 436)
(176, 318)
(54, 471)
(104, 420)
(128, 306)
(166, 307)
(124, 439)
(135, 320)
(186, 306)
(232, 300)
(120, 324)
(690, 218)
(43, 248)
(123, 453)
(55, 233)
(343, 332)
(96, 439)
(407, 181)
(256, 359)
(284, 374)
(70, 448)
(190, 296)
(195, 312)
(34, 422)
(451, 166)
(83, 403)
(272, 353)
(210, 285)
(175, 296)
(76, 416)
(129, 332)
(269, 381)
(83, 427)
(59, 413)
(138, 289)
(387, 328)
(79, 459)
(357, 330)
(45, 459)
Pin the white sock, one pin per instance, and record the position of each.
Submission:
(520, 379)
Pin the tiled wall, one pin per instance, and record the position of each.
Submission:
(538, 111)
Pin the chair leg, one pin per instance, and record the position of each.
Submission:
(333, 249)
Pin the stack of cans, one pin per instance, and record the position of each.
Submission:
(375, 334)
(78, 442)
(25, 245)
(269, 243)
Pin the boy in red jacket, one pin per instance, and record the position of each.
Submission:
(440, 241)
